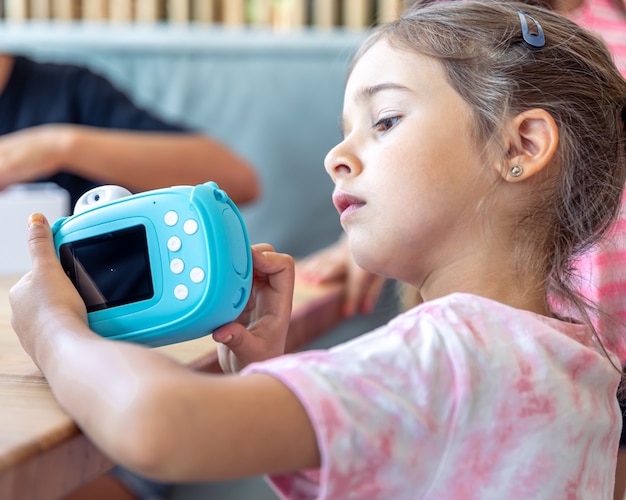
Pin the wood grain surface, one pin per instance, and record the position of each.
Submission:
(43, 455)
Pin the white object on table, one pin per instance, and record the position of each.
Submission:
(16, 204)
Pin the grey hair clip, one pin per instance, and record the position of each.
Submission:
(534, 40)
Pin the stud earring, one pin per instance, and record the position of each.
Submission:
(516, 170)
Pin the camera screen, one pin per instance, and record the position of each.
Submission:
(111, 269)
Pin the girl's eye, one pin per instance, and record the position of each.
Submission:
(385, 124)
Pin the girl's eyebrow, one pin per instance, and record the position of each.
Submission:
(365, 93)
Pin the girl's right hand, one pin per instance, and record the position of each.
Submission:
(260, 332)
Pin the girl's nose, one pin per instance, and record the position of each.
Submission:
(339, 162)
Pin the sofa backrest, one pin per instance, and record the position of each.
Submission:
(275, 98)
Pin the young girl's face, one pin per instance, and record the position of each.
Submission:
(408, 174)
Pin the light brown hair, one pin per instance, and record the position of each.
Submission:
(573, 77)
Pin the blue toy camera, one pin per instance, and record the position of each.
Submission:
(157, 267)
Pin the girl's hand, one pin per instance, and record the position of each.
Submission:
(44, 297)
(335, 262)
(260, 332)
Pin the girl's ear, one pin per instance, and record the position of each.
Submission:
(532, 141)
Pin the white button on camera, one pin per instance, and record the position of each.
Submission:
(170, 218)
(196, 275)
(190, 226)
(177, 266)
(181, 292)
(174, 244)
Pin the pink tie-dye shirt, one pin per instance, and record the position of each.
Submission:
(606, 20)
(459, 398)
(603, 270)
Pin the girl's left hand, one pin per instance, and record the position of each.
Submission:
(44, 298)
(260, 332)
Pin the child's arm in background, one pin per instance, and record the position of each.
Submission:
(146, 411)
(335, 263)
(139, 160)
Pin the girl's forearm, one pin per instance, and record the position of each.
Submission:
(78, 365)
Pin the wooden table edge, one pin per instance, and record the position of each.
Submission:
(43, 470)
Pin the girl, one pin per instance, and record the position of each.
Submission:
(607, 18)
(602, 270)
(484, 148)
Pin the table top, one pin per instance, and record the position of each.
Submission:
(44, 455)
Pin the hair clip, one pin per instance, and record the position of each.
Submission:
(534, 40)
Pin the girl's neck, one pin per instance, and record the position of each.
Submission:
(520, 299)
(490, 273)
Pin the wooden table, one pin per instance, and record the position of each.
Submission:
(43, 455)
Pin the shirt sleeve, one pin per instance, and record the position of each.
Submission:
(456, 399)
(99, 103)
(371, 409)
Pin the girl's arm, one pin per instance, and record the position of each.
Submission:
(146, 411)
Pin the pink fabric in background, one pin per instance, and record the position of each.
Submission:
(607, 21)
(603, 270)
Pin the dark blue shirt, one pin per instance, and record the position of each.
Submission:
(39, 93)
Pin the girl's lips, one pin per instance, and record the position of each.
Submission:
(345, 203)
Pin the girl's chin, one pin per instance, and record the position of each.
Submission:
(364, 259)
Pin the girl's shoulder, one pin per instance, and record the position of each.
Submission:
(479, 322)
(460, 308)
